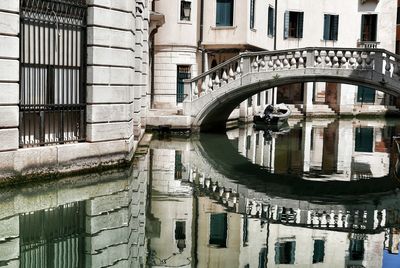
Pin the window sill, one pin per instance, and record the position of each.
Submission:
(270, 36)
(184, 22)
(223, 27)
(253, 30)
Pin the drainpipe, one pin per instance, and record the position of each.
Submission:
(275, 22)
(200, 42)
(275, 33)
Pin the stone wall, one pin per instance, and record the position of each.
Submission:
(116, 89)
(9, 74)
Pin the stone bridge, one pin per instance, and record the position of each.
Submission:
(213, 95)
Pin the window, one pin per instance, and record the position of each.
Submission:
(284, 252)
(250, 102)
(224, 16)
(262, 258)
(271, 21)
(252, 13)
(365, 95)
(258, 99)
(331, 23)
(398, 15)
(178, 165)
(52, 86)
(319, 251)
(218, 229)
(364, 139)
(293, 27)
(368, 27)
(180, 230)
(356, 250)
(182, 74)
(185, 10)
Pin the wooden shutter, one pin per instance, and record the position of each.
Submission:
(335, 27)
(327, 26)
(300, 25)
(286, 25)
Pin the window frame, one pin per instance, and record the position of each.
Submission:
(232, 20)
(373, 32)
(252, 14)
(329, 33)
(288, 24)
(180, 11)
(271, 21)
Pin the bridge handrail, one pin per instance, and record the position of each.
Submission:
(376, 59)
(271, 52)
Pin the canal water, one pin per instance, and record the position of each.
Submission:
(318, 193)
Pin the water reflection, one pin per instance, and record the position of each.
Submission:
(319, 193)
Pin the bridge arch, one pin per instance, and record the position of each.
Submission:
(213, 95)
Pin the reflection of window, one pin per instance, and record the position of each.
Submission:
(224, 16)
(331, 23)
(271, 18)
(356, 250)
(319, 251)
(293, 24)
(180, 235)
(218, 229)
(180, 230)
(178, 165)
(364, 139)
(368, 27)
(44, 235)
(185, 10)
(245, 231)
(284, 252)
(262, 258)
(365, 94)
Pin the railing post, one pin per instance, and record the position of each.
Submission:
(378, 62)
(246, 65)
(187, 89)
(310, 58)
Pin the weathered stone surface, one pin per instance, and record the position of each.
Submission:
(9, 46)
(108, 94)
(10, 249)
(109, 238)
(9, 228)
(39, 157)
(9, 139)
(107, 113)
(9, 93)
(109, 131)
(107, 203)
(10, 5)
(110, 18)
(107, 221)
(9, 23)
(9, 116)
(9, 70)
(109, 256)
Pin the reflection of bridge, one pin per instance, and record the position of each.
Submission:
(214, 94)
(365, 206)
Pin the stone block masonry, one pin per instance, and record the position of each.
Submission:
(9, 75)
(117, 59)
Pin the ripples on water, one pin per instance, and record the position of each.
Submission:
(320, 193)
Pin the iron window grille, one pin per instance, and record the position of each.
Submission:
(52, 72)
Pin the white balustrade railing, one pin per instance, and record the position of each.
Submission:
(357, 59)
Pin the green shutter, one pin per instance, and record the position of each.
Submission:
(327, 26)
(286, 25)
(300, 25)
(335, 27)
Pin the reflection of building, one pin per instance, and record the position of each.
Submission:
(171, 210)
(269, 231)
(337, 149)
(95, 220)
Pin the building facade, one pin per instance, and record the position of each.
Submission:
(74, 80)
(200, 34)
